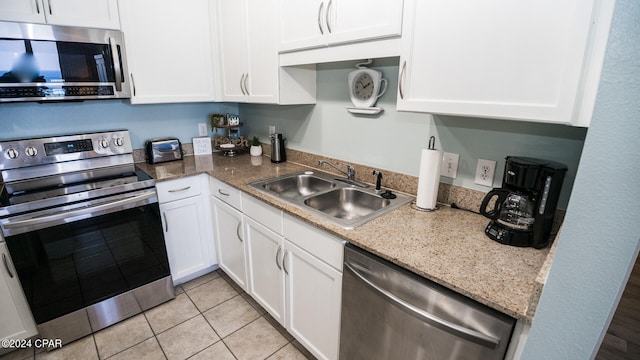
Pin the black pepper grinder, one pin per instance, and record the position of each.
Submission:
(277, 148)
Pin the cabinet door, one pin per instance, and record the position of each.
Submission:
(262, 51)
(189, 242)
(357, 20)
(94, 13)
(231, 255)
(495, 58)
(232, 40)
(169, 49)
(22, 11)
(16, 321)
(313, 291)
(302, 24)
(264, 265)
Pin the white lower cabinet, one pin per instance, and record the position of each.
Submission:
(16, 321)
(187, 227)
(295, 273)
(313, 296)
(229, 236)
(265, 250)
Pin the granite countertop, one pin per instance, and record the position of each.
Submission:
(447, 246)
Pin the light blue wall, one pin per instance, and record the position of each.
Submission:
(19, 120)
(393, 140)
(601, 233)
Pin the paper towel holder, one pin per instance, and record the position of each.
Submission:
(414, 204)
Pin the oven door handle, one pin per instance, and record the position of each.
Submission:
(114, 205)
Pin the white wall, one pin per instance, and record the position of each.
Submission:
(601, 233)
(394, 139)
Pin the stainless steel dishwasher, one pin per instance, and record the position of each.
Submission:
(391, 313)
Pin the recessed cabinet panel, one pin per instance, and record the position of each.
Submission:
(496, 58)
(265, 250)
(233, 42)
(22, 11)
(314, 291)
(82, 13)
(312, 24)
(262, 39)
(354, 20)
(189, 245)
(186, 221)
(230, 240)
(169, 48)
(302, 24)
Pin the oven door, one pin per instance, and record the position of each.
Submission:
(72, 259)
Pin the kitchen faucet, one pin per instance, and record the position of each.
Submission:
(350, 174)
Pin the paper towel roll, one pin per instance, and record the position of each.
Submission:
(429, 179)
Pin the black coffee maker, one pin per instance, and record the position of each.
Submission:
(525, 205)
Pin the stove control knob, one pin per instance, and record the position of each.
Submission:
(12, 153)
(31, 151)
(104, 143)
(119, 141)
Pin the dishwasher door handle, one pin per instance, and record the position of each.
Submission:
(457, 330)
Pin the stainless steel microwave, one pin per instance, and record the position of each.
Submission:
(56, 63)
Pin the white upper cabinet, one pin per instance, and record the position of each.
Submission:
(248, 44)
(247, 36)
(22, 11)
(81, 13)
(310, 24)
(169, 49)
(523, 60)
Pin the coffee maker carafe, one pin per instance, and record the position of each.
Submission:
(522, 214)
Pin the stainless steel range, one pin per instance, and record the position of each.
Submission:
(83, 229)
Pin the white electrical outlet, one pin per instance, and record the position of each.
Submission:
(485, 171)
(449, 167)
(272, 129)
(202, 129)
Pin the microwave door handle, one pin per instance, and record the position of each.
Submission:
(116, 63)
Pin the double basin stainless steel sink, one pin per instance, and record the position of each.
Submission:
(331, 197)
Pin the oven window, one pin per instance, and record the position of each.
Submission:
(39, 61)
(71, 266)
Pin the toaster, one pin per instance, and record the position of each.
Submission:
(162, 150)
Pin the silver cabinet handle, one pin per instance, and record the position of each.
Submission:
(327, 16)
(277, 257)
(116, 61)
(457, 330)
(238, 232)
(320, 17)
(223, 193)
(166, 222)
(181, 189)
(284, 262)
(37, 6)
(241, 84)
(246, 88)
(6, 265)
(50, 11)
(404, 67)
(133, 84)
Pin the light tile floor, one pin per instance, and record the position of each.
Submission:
(210, 318)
